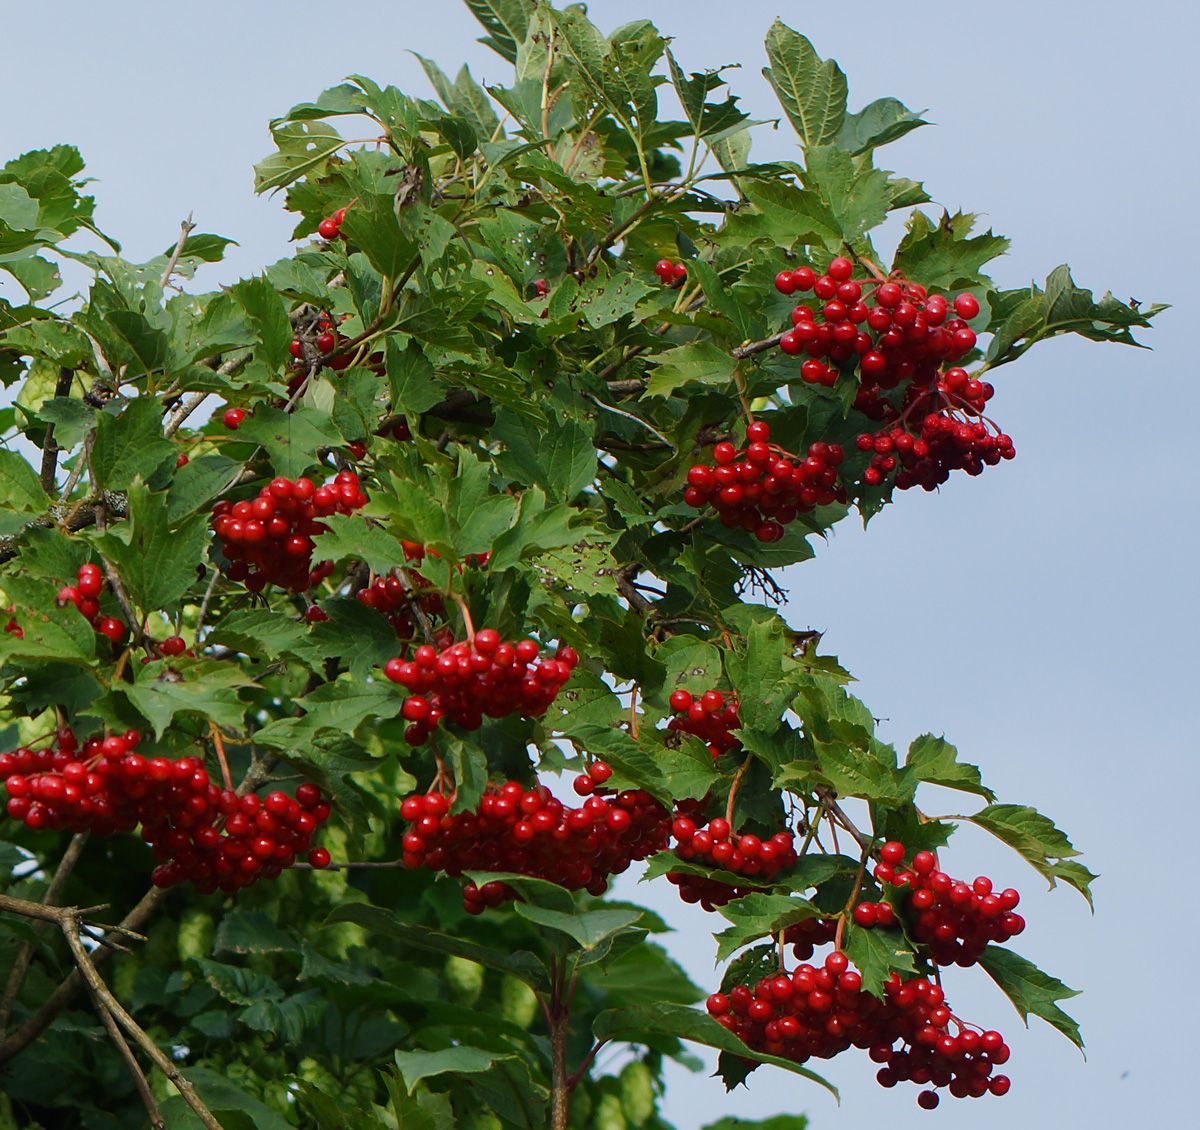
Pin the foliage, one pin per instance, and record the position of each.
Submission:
(511, 380)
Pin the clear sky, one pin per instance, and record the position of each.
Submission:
(1043, 615)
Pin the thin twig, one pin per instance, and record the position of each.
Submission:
(83, 961)
(16, 976)
(50, 448)
(114, 582)
(204, 603)
(185, 229)
(219, 742)
(135, 1071)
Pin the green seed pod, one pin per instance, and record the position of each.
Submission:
(637, 1092)
(464, 979)
(518, 1004)
(196, 930)
(608, 1115)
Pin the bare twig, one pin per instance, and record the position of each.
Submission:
(114, 582)
(757, 346)
(50, 448)
(135, 1071)
(109, 1003)
(16, 976)
(185, 229)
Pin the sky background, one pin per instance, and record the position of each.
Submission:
(1043, 616)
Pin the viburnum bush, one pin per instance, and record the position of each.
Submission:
(366, 617)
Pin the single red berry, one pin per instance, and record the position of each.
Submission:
(966, 306)
(318, 858)
(173, 645)
(329, 229)
(233, 418)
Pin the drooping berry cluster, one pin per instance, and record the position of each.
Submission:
(85, 595)
(483, 677)
(529, 832)
(954, 919)
(709, 717)
(669, 273)
(717, 846)
(763, 488)
(269, 540)
(822, 1012)
(943, 437)
(197, 830)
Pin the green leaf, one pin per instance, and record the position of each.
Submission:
(157, 563)
(258, 632)
(520, 964)
(946, 256)
(252, 931)
(632, 1025)
(699, 362)
(20, 488)
(304, 148)
(206, 687)
(857, 194)
(206, 247)
(759, 915)
(239, 985)
(935, 760)
(506, 21)
(352, 536)
(561, 460)
(130, 444)
(462, 1060)
(876, 954)
(265, 308)
(341, 705)
(589, 928)
(1031, 990)
(291, 438)
(587, 569)
(786, 215)
(878, 123)
(198, 482)
(469, 766)
(1035, 837)
(225, 1100)
(72, 419)
(289, 1019)
(411, 379)
(811, 90)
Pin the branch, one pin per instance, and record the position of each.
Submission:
(16, 976)
(139, 1079)
(70, 929)
(757, 346)
(185, 228)
(188, 404)
(50, 449)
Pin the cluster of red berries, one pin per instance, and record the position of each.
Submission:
(389, 595)
(709, 717)
(946, 440)
(477, 678)
(954, 919)
(197, 830)
(325, 341)
(821, 1012)
(331, 227)
(717, 846)
(670, 274)
(529, 832)
(805, 936)
(762, 488)
(915, 332)
(85, 595)
(269, 540)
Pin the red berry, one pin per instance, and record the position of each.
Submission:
(328, 229)
(233, 418)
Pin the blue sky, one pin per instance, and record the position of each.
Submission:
(1043, 615)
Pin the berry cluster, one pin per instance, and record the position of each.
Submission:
(821, 1012)
(197, 830)
(484, 676)
(269, 540)
(915, 332)
(326, 339)
(85, 595)
(389, 595)
(762, 488)
(714, 845)
(945, 439)
(955, 920)
(670, 274)
(529, 832)
(804, 937)
(710, 717)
